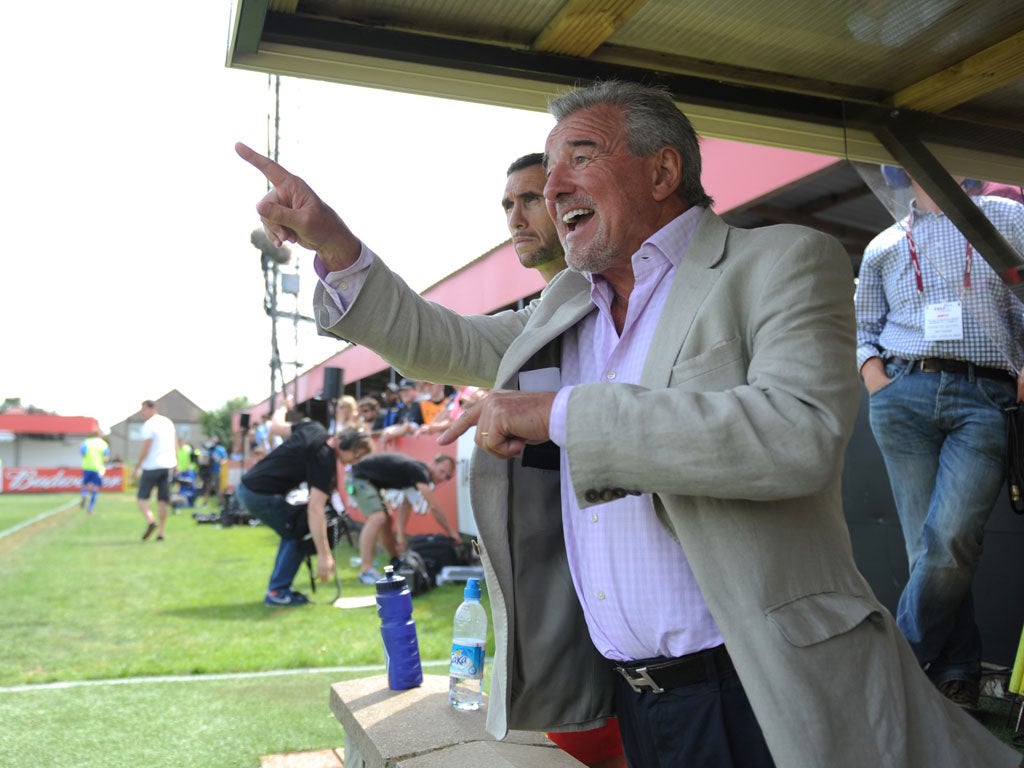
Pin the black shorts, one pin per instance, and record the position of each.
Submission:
(158, 478)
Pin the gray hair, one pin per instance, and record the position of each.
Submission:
(652, 121)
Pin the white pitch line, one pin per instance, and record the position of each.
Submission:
(36, 519)
(199, 678)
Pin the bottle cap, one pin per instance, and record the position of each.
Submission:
(390, 582)
(472, 591)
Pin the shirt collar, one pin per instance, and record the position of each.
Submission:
(669, 243)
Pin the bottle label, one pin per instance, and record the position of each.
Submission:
(467, 661)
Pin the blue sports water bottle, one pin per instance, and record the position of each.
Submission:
(401, 648)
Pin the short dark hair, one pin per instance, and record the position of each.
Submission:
(526, 161)
(352, 439)
(149, 403)
(652, 121)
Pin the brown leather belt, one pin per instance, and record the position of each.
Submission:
(943, 365)
(658, 675)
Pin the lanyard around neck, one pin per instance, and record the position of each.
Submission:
(916, 262)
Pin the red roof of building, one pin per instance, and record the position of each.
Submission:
(47, 424)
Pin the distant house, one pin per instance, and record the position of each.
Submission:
(43, 439)
(124, 437)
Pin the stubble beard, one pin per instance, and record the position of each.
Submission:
(593, 257)
(538, 258)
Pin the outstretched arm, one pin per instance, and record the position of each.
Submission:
(291, 212)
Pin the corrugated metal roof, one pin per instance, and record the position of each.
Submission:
(801, 74)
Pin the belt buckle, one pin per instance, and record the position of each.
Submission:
(926, 367)
(639, 680)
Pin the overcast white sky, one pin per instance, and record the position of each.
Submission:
(127, 268)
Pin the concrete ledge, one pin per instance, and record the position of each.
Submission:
(418, 729)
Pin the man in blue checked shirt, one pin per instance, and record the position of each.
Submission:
(939, 340)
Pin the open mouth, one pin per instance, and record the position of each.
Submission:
(576, 217)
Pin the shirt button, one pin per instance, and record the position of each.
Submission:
(343, 287)
(610, 375)
(600, 595)
(593, 518)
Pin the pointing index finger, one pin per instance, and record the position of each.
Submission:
(273, 172)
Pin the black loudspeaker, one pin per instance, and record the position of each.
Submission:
(319, 411)
(334, 380)
(243, 421)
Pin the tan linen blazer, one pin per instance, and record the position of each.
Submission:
(738, 430)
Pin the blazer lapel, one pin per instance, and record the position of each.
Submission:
(563, 305)
(693, 282)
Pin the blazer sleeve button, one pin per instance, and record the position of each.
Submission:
(591, 496)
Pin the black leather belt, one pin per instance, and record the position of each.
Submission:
(658, 675)
(942, 365)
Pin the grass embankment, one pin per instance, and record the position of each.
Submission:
(83, 599)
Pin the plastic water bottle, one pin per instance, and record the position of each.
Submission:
(397, 628)
(466, 681)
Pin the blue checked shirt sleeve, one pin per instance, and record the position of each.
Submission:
(872, 308)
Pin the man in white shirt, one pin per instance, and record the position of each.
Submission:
(157, 461)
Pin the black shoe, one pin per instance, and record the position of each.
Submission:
(149, 531)
(963, 693)
(285, 597)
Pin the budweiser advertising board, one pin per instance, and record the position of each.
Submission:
(55, 479)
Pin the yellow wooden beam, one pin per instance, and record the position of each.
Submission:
(582, 26)
(978, 74)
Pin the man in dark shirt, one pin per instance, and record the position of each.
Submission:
(391, 406)
(308, 455)
(387, 472)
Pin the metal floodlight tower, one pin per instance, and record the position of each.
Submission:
(271, 259)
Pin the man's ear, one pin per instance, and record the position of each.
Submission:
(667, 173)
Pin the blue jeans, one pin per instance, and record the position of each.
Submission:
(944, 442)
(276, 513)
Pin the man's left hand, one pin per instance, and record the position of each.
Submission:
(506, 422)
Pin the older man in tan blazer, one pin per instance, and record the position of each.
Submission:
(688, 380)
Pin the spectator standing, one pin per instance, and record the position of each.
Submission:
(391, 406)
(408, 418)
(939, 348)
(369, 411)
(155, 469)
(260, 445)
(721, 362)
(346, 414)
(533, 233)
(210, 472)
(95, 452)
(536, 242)
(436, 408)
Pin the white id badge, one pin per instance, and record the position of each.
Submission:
(944, 321)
